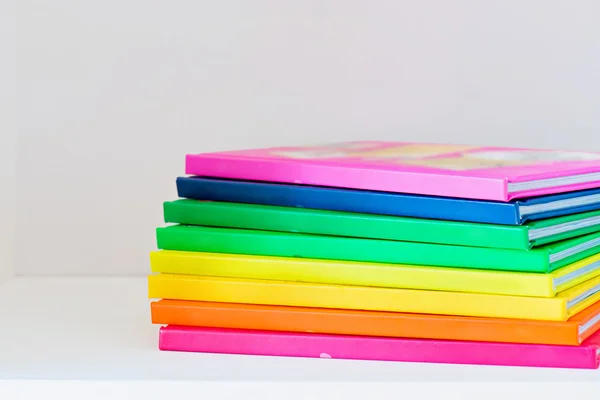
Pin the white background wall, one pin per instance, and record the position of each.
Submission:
(8, 148)
(113, 94)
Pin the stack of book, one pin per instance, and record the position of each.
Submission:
(408, 252)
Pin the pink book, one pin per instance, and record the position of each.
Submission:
(472, 172)
(269, 343)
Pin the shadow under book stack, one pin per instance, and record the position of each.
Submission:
(384, 251)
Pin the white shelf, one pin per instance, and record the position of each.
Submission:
(99, 329)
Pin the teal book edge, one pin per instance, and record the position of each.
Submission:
(347, 224)
(241, 241)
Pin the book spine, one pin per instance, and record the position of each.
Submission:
(246, 291)
(361, 323)
(220, 240)
(351, 273)
(357, 201)
(293, 171)
(213, 340)
(289, 219)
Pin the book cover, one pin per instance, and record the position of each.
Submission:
(283, 244)
(376, 323)
(515, 212)
(376, 275)
(336, 223)
(487, 173)
(314, 345)
(253, 291)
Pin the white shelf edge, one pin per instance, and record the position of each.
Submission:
(86, 328)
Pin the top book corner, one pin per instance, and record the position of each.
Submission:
(446, 170)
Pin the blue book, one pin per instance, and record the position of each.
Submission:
(516, 212)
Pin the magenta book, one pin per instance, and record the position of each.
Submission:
(472, 172)
(312, 345)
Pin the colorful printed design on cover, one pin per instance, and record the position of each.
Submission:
(439, 156)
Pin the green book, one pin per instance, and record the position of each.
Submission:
(338, 223)
(242, 241)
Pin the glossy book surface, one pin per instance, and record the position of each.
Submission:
(335, 223)
(515, 212)
(453, 170)
(283, 244)
(293, 344)
(375, 275)
(376, 323)
(254, 291)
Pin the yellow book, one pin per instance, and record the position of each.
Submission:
(249, 291)
(375, 274)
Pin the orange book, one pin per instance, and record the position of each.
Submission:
(375, 323)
